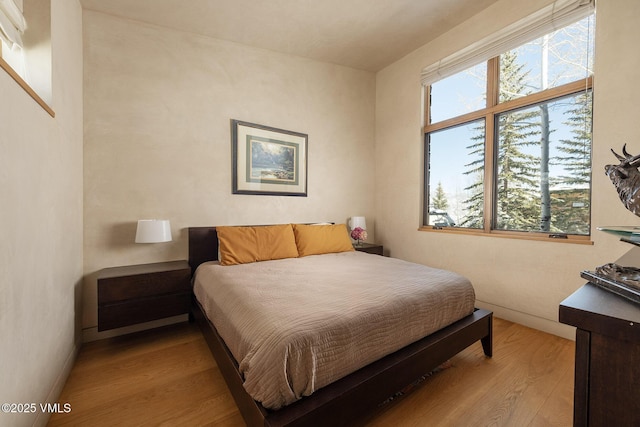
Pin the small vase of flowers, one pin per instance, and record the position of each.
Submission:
(359, 234)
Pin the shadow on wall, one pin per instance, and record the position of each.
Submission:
(122, 235)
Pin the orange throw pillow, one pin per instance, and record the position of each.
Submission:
(240, 245)
(322, 239)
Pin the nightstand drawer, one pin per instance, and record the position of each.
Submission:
(143, 310)
(139, 281)
(142, 293)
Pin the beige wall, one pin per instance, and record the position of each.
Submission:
(158, 105)
(157, 144)
(41, 217)
(521, 280)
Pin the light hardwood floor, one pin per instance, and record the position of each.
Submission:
(167, 377)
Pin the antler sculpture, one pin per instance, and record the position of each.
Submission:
(626, 178)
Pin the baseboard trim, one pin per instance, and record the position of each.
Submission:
(42, 418)
(531, 321)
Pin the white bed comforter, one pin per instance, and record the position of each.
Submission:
(295, 325)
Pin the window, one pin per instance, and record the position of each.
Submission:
(12, 28)
(25, 46)
(508, 141)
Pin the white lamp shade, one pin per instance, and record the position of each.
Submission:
(153, 231)
(357, 221)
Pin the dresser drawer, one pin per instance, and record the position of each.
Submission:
(142, 293)
(142, 310)
(124, 283)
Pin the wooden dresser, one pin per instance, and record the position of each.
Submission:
(141, 293)
(607, 366)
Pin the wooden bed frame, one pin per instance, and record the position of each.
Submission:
(355, 395)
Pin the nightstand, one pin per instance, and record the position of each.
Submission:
(141, 293)
(370, 248)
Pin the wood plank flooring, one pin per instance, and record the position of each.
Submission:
(167, 377)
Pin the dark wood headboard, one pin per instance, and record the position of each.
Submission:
(203, 246)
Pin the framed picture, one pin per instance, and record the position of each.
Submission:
(268, 161)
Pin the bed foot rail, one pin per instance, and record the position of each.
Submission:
(361, 392)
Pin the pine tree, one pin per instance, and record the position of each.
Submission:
(525, 197)
(474, 204)
(517, 175)
(516, 190)
(575, 158)
(440, 199)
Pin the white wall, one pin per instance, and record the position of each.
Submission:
(521, 280)
(41, 217)
(158, 105)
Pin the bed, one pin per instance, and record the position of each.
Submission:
(331, 394)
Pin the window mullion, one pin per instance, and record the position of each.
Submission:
(489, 173)
(493, 82)
(427, 105)
(493, 90)
(544, 96)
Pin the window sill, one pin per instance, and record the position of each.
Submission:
(539, 237)
(24, 85)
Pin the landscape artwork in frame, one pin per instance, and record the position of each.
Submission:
(268, 161)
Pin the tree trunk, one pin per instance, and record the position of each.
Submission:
(545, 196)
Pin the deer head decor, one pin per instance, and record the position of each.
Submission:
(626, 178)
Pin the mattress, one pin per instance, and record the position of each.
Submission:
(295, 325)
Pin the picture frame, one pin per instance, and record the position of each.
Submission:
(267, 160)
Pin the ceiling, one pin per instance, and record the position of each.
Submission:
(362, 34)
